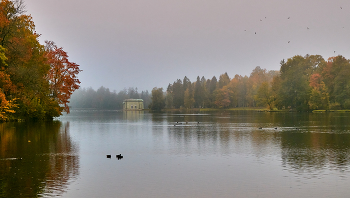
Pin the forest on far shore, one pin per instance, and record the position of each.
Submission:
(303, 83)
(103, 98)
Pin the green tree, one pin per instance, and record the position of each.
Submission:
(178, 94)
(342, 81)
(158, 102)
(199, 93)
(224, 80)
(264, 96)
(275, 87)
(189, 100)
(211, 88)
(294, 90)
(169, 97)
(186, 83)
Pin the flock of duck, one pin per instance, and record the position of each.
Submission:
(277, 128)
(179, 123)
(117, 156)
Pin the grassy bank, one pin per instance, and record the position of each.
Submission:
(324, 111)
(236, 109)
(259, 109)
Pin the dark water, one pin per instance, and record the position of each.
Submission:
(224, 155)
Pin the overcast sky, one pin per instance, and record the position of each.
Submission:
(151, 43)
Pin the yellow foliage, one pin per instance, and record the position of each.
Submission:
(6, 107)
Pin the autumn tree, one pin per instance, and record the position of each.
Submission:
(256, 78)
(239, 88)
(319, 98)
(29, 79)
(62, 75)
(25, 64)
(234, 85)
(223, 97)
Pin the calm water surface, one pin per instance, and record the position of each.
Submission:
(203, 155)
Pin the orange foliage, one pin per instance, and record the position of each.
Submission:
(3, 20)
(5, 82)
(223, 97)
(62, 75)
(315, 80)
(6, 107)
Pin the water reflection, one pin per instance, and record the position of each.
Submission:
(220, 154)
(305, 142)
(133, 115)
(312, 151)
(37, 159)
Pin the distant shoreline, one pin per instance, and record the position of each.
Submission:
(257, 109)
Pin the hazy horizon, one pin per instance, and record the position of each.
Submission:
(145, 44)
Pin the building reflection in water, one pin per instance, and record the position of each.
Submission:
(36, 159)
(133, 115)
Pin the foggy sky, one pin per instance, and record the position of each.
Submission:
(151, 43)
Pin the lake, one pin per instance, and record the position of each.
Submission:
(216, 154)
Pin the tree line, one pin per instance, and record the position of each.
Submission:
(303, 83)
(36, 81)
(103, 98)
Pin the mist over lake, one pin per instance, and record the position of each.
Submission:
(216, 154)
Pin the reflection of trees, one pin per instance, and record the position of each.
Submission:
(321, 140)
(49, 159)
(219, 133)
(311, 151)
